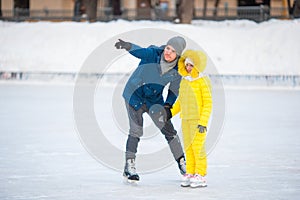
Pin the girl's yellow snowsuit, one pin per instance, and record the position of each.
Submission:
(194, 104)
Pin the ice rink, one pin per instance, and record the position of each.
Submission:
(41, 157)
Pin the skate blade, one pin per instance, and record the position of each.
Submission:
(185, 186)
(129, 181)
(198, 186)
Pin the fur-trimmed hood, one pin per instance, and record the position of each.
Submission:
(198, 58)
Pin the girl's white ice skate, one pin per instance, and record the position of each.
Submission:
(185, 182)
(197, 181)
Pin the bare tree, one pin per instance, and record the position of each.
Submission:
(296, 9)
(116, 6)
(185, 11)
(77, 6)
(91, 9)
(21, 8)
(0, 8)
(204, 8)
(216, 7)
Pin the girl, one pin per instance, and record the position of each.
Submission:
(195, 104)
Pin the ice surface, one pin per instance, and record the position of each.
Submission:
(41, 157)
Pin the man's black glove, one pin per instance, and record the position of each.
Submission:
(167, 105)
(202, 129)
(168, 113)
(123, 45)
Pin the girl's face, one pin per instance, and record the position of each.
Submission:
(169, 53)
(189, 67)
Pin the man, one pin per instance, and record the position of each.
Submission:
(144, 93)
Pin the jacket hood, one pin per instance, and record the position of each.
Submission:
(197, 57)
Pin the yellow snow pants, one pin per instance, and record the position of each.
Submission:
(194, 145)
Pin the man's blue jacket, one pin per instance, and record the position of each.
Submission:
(147, 83)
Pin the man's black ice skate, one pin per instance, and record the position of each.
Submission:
(181, 165)
(130, 171)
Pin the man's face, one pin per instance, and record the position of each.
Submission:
(169, 53)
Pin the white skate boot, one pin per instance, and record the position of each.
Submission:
(186, 180)
(198, 181)
(130, 171)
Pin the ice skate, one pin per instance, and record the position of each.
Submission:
(181, 165)
(130, 172)
(186, 180)
(197, 181)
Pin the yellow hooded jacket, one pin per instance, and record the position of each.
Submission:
(195, 99)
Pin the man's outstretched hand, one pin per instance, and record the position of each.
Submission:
(123, 45)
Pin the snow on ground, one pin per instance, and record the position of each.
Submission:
(235, 47)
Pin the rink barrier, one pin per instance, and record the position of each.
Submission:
(227, 79)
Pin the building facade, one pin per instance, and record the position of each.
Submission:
(144, 9)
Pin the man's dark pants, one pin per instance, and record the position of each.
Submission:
(136, 132)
